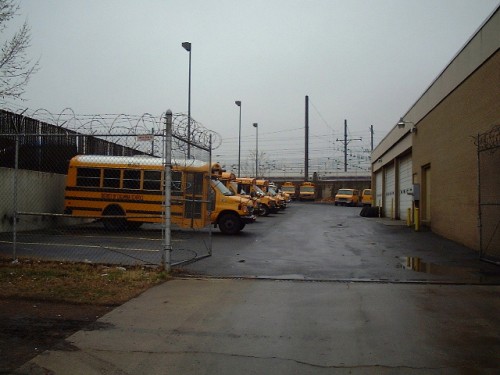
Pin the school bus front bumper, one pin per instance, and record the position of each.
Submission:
(248, 219)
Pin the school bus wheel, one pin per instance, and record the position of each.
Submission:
(229, 223)
(264, 210)
(115, 223)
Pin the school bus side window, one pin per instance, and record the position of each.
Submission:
(131, 179)
(152, 180)
(88, 177)
(111, 178)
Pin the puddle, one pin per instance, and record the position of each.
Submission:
(482, 275)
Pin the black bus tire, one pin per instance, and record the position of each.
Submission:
(229, 223)
(114, 224)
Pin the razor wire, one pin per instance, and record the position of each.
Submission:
(489, 140)
(119, 128)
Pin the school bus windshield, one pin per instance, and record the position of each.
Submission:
(272, 192)
(234, 187)
(345, 192)
(258, 190)
(222, 188)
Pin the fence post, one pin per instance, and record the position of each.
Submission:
(15, 186)
(167, 247)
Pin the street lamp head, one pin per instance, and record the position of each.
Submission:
(255, 125)
(186, 46)
(238, 103)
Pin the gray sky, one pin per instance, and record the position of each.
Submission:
(365, 61)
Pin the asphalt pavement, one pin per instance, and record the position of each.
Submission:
(325, 242)
(314, 290)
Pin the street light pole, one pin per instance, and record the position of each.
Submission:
(187, 47)
(238, 103)
(256, 126)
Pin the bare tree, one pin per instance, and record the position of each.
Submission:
(15, 67)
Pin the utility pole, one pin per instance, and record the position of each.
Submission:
(346, 141)
(306, 152)
(371, 134)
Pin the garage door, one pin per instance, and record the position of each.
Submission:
(378, 188)
(405, 187)
(389, 191)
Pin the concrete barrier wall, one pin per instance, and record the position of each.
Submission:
(36, 192)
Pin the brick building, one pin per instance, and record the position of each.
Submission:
(443, 156)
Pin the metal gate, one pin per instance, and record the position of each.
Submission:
(488, 162)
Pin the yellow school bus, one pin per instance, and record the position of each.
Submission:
(229, 179)
(269, 190)
(307, 191)
(366, 197)
(249, 186)
(347, 197)
(126, 191)
(230, 211)
(289, 188)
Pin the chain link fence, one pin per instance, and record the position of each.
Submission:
(488, 159)
(108, 189)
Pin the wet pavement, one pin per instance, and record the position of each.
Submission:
(315, 290)
(228, 326)
(326, 242)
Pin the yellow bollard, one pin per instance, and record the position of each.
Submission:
(417, 219)
(408, 217)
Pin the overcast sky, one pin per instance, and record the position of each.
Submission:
(365, 61)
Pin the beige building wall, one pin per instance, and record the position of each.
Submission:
(462, 102)
(444, 142)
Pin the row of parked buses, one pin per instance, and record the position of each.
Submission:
(353, 197)
(123, 192)
(306, 190)
(265, 195)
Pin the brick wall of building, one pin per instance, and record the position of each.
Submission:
(445, 143)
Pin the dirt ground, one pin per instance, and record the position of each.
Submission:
(42, 303)
(29, 327)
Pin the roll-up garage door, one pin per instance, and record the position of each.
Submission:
(405, 187)
(389, 193)
(378, 188)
